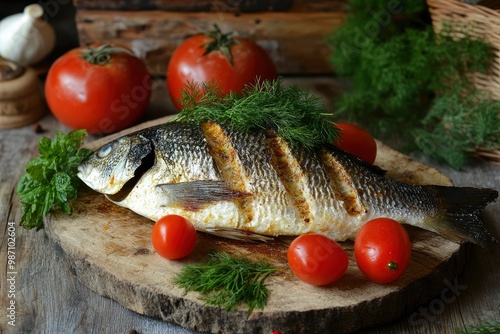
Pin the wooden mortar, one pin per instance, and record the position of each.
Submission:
(20, 97)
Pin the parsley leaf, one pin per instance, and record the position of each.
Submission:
(51, 179)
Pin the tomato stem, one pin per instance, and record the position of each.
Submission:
(220, 42)
(101, 55)
(392, 265)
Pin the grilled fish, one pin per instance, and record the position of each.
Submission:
(255, 183)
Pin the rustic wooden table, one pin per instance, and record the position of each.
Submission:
(39, 293)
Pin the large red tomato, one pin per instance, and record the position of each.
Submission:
(231, 63)
(102, 89)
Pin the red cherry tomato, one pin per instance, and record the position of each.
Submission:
(316, 259)
(357, 141)
(382, 250)
(189, 64)
(99, 95)
(173, 237)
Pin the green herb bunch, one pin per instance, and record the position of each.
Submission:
(455, 126)
(405, 77)
(51, 179)
(228, 281)
(294, 114)
(487, 327)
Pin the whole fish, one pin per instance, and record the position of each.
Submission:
(248, 184)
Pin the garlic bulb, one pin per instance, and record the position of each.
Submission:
(25, 38)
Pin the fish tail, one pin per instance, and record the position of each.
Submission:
(459, 213)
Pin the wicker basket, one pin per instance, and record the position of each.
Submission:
(490, 155)
(482, 23)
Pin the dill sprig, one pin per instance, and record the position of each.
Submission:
(488, 327)
(296, 115)
(455, 126)
(228, 281)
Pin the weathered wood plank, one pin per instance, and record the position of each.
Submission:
(318, 5)
(187, 5)
(214, 6)
(295, 41)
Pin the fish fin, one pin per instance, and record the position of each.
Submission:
(196, 194)
(374, 168)
(240, 235)
(460, 213)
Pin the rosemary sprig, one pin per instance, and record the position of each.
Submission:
(295, 114)
(228, 281)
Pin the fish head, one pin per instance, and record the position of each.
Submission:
(110, 167)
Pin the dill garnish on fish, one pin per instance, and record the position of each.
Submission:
(295, 114)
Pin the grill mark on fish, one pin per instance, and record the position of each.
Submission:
(225, 156)
(270, 205)
(290, 174)
(227, 160)
(342, 184)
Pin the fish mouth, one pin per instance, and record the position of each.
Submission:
(84, 171)
(146, 164)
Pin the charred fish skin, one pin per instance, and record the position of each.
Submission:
(224, 179)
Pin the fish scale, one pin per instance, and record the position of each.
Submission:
(226, 181)
(409, 204)
(184, 151)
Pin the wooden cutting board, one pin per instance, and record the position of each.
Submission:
(109, 250)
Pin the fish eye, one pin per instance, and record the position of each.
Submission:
(105, 150)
